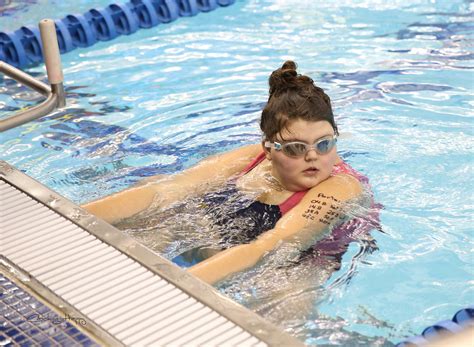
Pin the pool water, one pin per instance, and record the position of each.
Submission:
(400, 77)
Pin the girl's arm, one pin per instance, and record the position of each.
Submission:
(197, 179)
(303, 224)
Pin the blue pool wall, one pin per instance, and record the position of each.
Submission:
(22, 47)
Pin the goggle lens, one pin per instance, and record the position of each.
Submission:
(324, 146)
(294, 149)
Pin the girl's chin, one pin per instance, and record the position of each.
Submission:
(307, 184)
(303, 182)
(310, 182)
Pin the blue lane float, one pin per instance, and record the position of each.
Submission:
(461, 319)
(22, 47)
(64, 37)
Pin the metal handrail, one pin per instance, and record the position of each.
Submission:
(55, 96)
(35, 112)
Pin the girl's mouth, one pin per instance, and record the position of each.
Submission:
(311, 171)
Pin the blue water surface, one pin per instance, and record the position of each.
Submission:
(399, 74)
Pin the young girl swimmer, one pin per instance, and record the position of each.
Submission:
(294, 182)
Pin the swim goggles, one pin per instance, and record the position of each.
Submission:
(299, 149)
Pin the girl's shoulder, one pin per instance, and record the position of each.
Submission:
(231, 162)
(341, 186)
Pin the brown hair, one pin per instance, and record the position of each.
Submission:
(293, 96)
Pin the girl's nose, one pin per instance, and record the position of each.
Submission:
(311, 155)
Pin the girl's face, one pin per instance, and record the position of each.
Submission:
(311, 168)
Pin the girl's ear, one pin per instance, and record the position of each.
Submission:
(267, 151)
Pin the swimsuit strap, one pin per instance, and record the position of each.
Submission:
(258, 159)
(344, 168)
(292, 201)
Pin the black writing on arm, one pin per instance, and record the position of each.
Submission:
(324, 208)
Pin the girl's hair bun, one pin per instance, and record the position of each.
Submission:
(293, 96)
(283, 78)
(289, 65)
